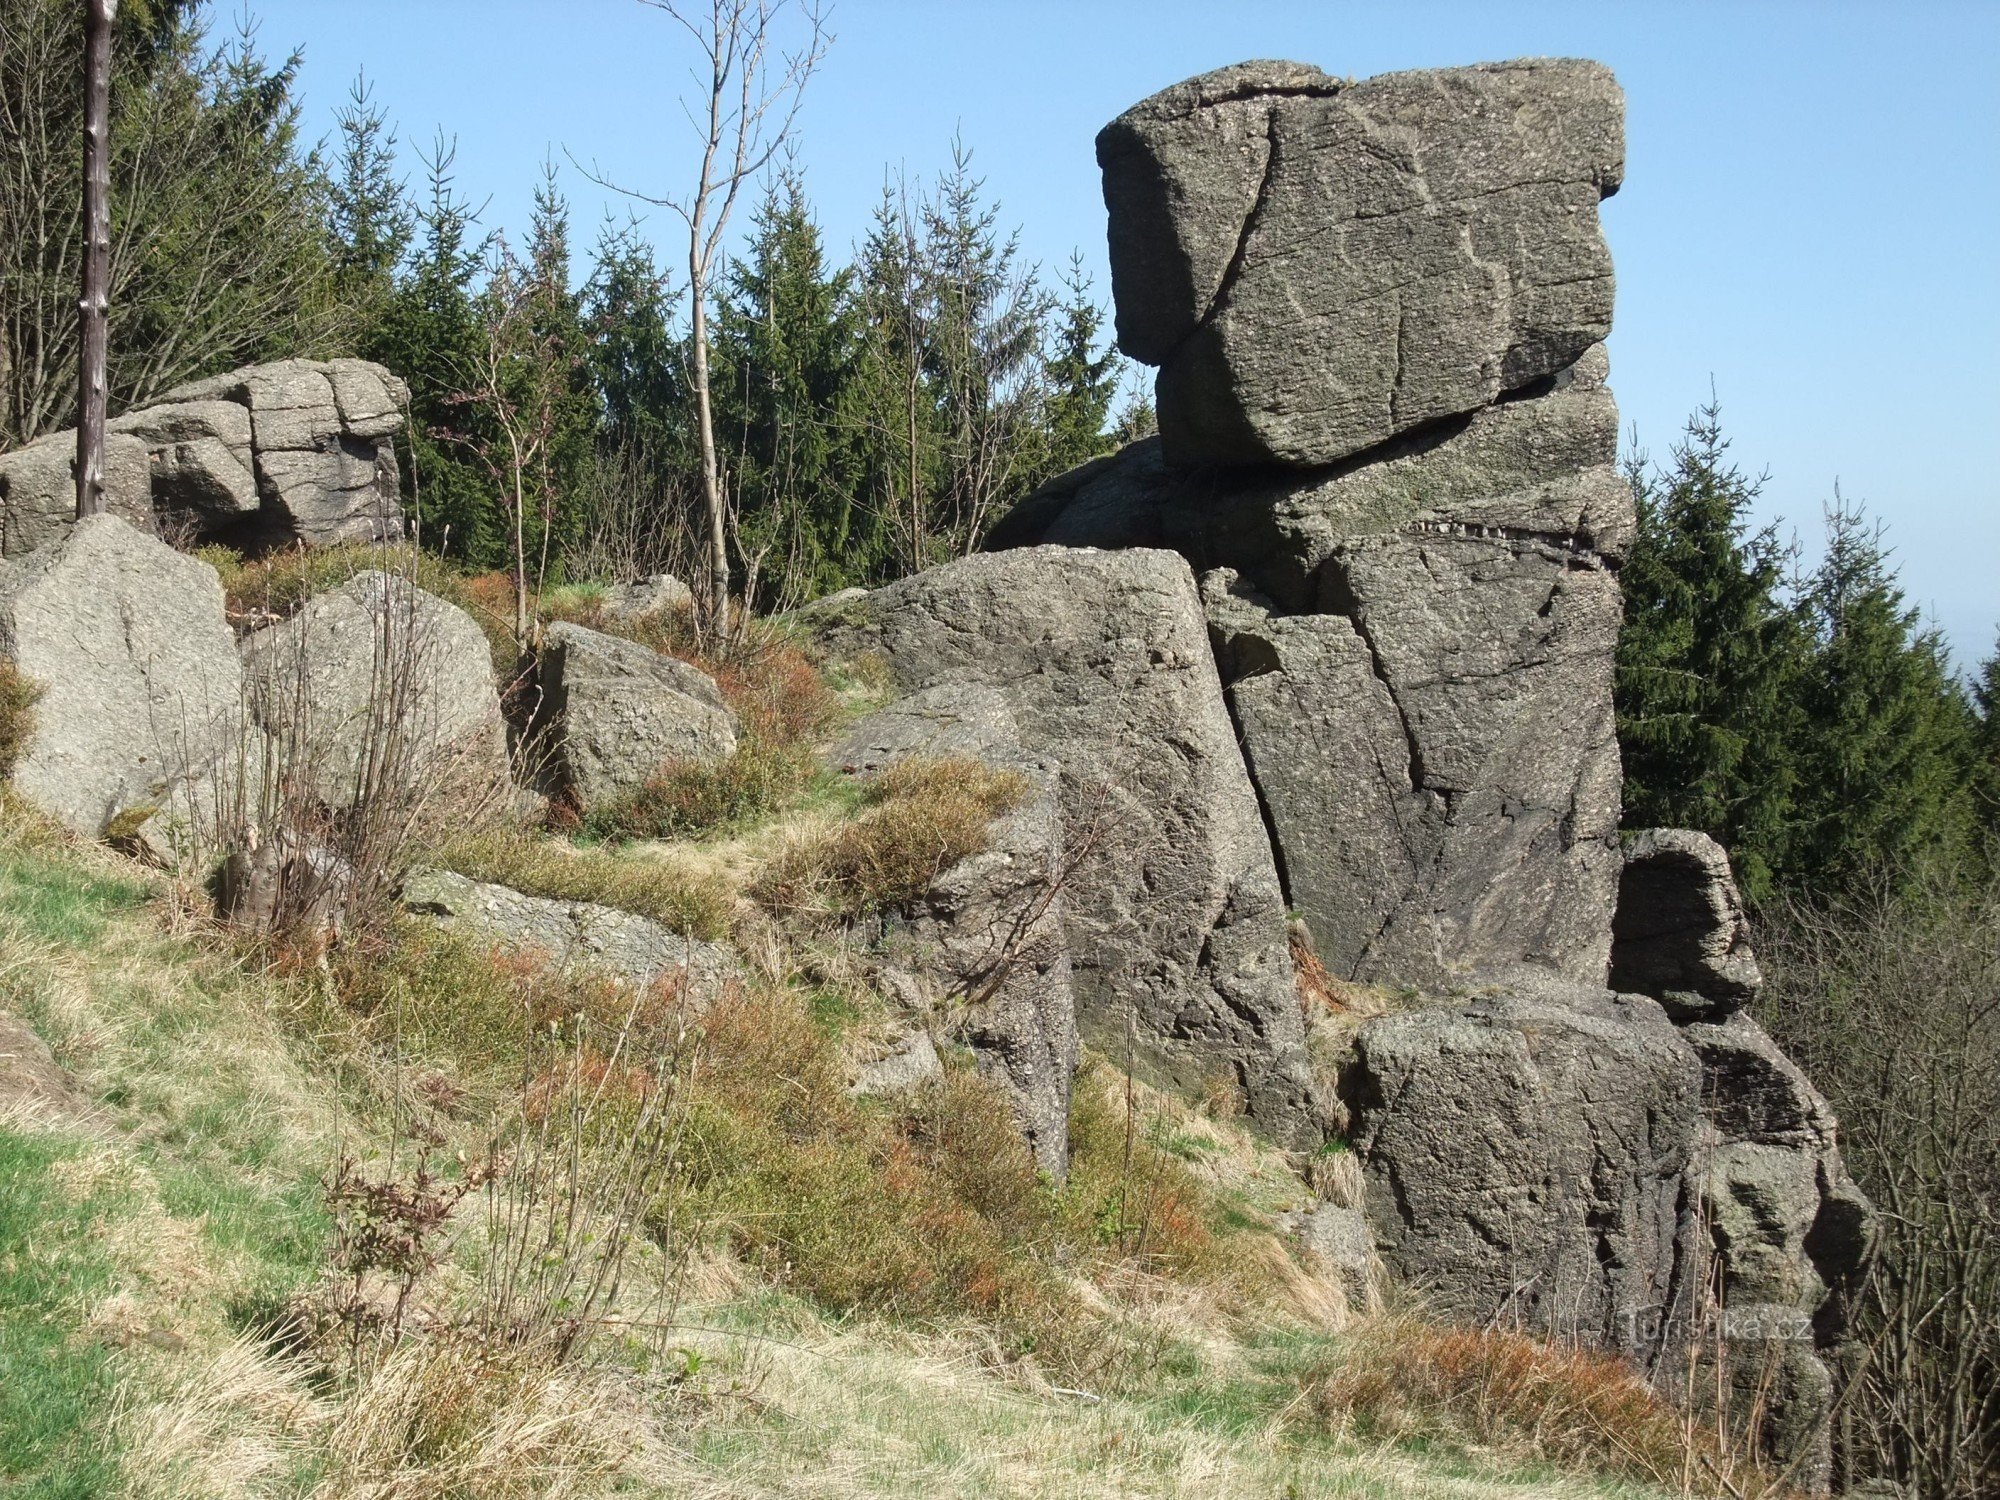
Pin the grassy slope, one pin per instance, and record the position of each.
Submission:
(146, 1238)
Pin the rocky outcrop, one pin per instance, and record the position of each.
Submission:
(1388, 451)
(612, 712)
(1790, 1232)
(141, 689)
(1175, 918)
(657, 593)
(574, 934)
(296, 452)
(1318, 266)
(1529, 1160)
(1417, 648)
(984, 952)
(38, 489)
(1679, 933)
(378, 688)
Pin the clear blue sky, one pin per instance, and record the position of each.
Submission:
(1811, 210)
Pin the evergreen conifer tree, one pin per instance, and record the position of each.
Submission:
(1082, 378)
(431, 336)
(1885, 748)
(786, 339)
(1709, 658)
(368, 214)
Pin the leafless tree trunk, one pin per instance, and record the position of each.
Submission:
(92, 306)
(751, 102)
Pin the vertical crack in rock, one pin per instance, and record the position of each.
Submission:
(1233, 271)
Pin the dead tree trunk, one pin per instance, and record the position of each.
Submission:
(92, 308)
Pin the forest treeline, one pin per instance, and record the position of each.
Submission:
(875, 413)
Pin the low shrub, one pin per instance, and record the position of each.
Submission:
(920, 817)
(688, 902)
(17, 716)
(931, 1209)
(1403, 1380)
(695, 799)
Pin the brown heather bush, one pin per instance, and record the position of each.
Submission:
(1399, 1379)
(17, 716)
(694, 799)
(687, 902)
(928, 1210)
(919, 818)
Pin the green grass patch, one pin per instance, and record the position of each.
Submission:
(685, 901)
(54, 1384)
(59, 900)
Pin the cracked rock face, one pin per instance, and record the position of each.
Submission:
(1417, 647)
(1175, 919)
(986, 946)
(1527, 1161)
(1679, 933)
(617, 711)
(1317, 266)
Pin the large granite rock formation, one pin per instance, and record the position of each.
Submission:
(296, 452)
(984, 951)
(1317, 266)
(1176, 920)
(612, 712)
(1529, 1161)
(1388, 451)
(1680, 933)
(141, 690)
(379, 688)
(1418, 651)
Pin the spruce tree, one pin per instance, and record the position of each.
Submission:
(1986, 752)
(431, 335)
(786, 337)
(368, 214)
(1082, 378)
(638, 362)
(553, 372)
(1886, 746)
(1709, 659)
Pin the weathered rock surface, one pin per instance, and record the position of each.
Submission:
(1437, 755)
(1679, 933)
(1792, 1233)
(1318, 266)
(202, 461)
(1174, 914)
(296, 452)
(1527, 1159)
(142, 691)
(616, 711)
(38, 489)
(988, 939)
(380, 688)
(573, 933)
(1540, 468)
(652, 595)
